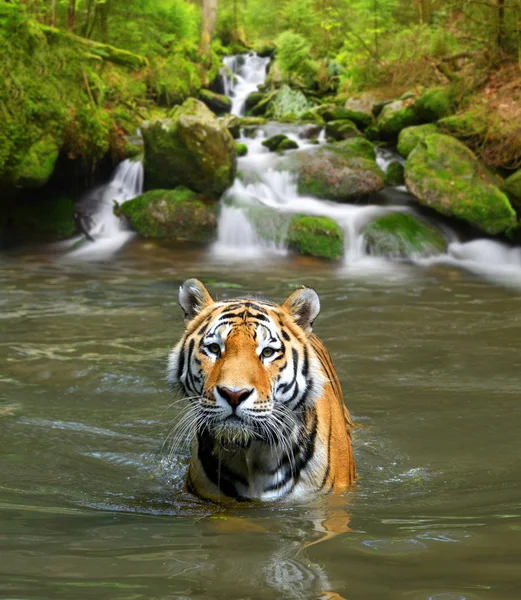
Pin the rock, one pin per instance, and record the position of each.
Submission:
(361, 104)
(233, 125)
(443, 174)
(178, 214)
(411, 136)
(217, 103)
(372, 133)
(37, 166)
(261, 108)
(287, 144)
(379, 106)
(273, 142)
(253, 99)
(317, 236)
(49, 217)
(241, 149)
(434, 104)
(402, 235)
(288, 102)
(345, 171)
(342, 130)
(338, 113)
(395, 174)
(193, 148)
(512, 188)
(394, 117)
(465, 126)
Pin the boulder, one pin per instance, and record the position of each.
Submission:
(218, 103)
(471, 124)
(395, 174)
(411, 136)
(233, 125)
(443, 174)
(241, 149)
(37, 166)
(273, 142)
(287, 144)
(342, 130)
(253, 99)
(317, 236)
(345, 171)
(339, 113)
(178, 214)
(394, 117)
(361, 104)
(512, 188)
(288, 102)
(192, 148)
(435, 104)
(402, 235)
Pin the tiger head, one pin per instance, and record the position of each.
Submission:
(246, 365)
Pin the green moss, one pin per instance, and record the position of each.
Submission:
(341, 130)
(435, 104)
(512, 188)
(395, 174)
(395, 117)
(273, 142)
(403, 235)
(178, 214)
(253, 99)
(52, 217)
(317, 236)
(338, 113)
(287, 144)
(241, 149)
(37, 165)
(357, 146)
(411, 136)
(445, 175)
(467, 125)
(217, 103)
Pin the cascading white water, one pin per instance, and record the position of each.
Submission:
(109, 232)
(249, 71)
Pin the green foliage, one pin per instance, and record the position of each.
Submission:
(293, 52)
(317, 236)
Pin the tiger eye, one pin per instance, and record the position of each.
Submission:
(267, 352)
(214, 348)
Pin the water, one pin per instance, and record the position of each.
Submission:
(91, 506)
(249, 71)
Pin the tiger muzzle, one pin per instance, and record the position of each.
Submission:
(234, 397)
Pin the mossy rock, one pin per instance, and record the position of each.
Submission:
(241, 149)
(251, 121)
(394, 117)
(471, 124)
(233, 125)
(512, 188)
(379, 106)
(288, 104)
(339, 113)
(312, 115)
(265, 48)
(402, 235)
(435, 104)
(49, 217)
(178, 214)
(287, 144)
(192, 148)
(218, 103)
(395, 174)
(37, 166)
(261, 108)
(411, 136)
(341, 130)
(253, 99)
(344, 171)
(317, 236)
(443, 174)
(273, 142)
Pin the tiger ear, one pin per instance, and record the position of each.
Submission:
(193, 298)
(304, 306)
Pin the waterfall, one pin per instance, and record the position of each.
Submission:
(96, 211)
(249, 71)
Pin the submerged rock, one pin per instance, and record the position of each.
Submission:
(218, 103)
(512, 188)
(402, 235)
(342, 130)
(317, 236)
(178, 214)
(394, 117)
(395, 174)
(37, 166)
(411, 136)
(192, 148)
(344, 171)
(443, 174)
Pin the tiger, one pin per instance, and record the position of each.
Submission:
(265, 404)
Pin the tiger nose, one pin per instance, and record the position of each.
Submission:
(234, 397)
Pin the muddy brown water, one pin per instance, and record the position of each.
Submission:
(91, 505)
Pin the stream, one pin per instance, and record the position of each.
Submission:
(427, 352)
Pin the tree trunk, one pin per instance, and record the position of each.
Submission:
(71, 14)
(425, 12)
(500, 22)
(209, 19)
(53, 13)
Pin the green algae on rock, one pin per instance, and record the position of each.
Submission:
(395, 174)
(443, 174)
(411, 136)
(343, 171)
(316, 236)
(191, 148)
(402, 235)
(178, 214)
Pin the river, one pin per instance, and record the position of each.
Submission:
(91, 500)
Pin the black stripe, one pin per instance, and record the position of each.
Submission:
(326, 474)
(181, 365)
(287, 386)
(189, 377)
(286, 335)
